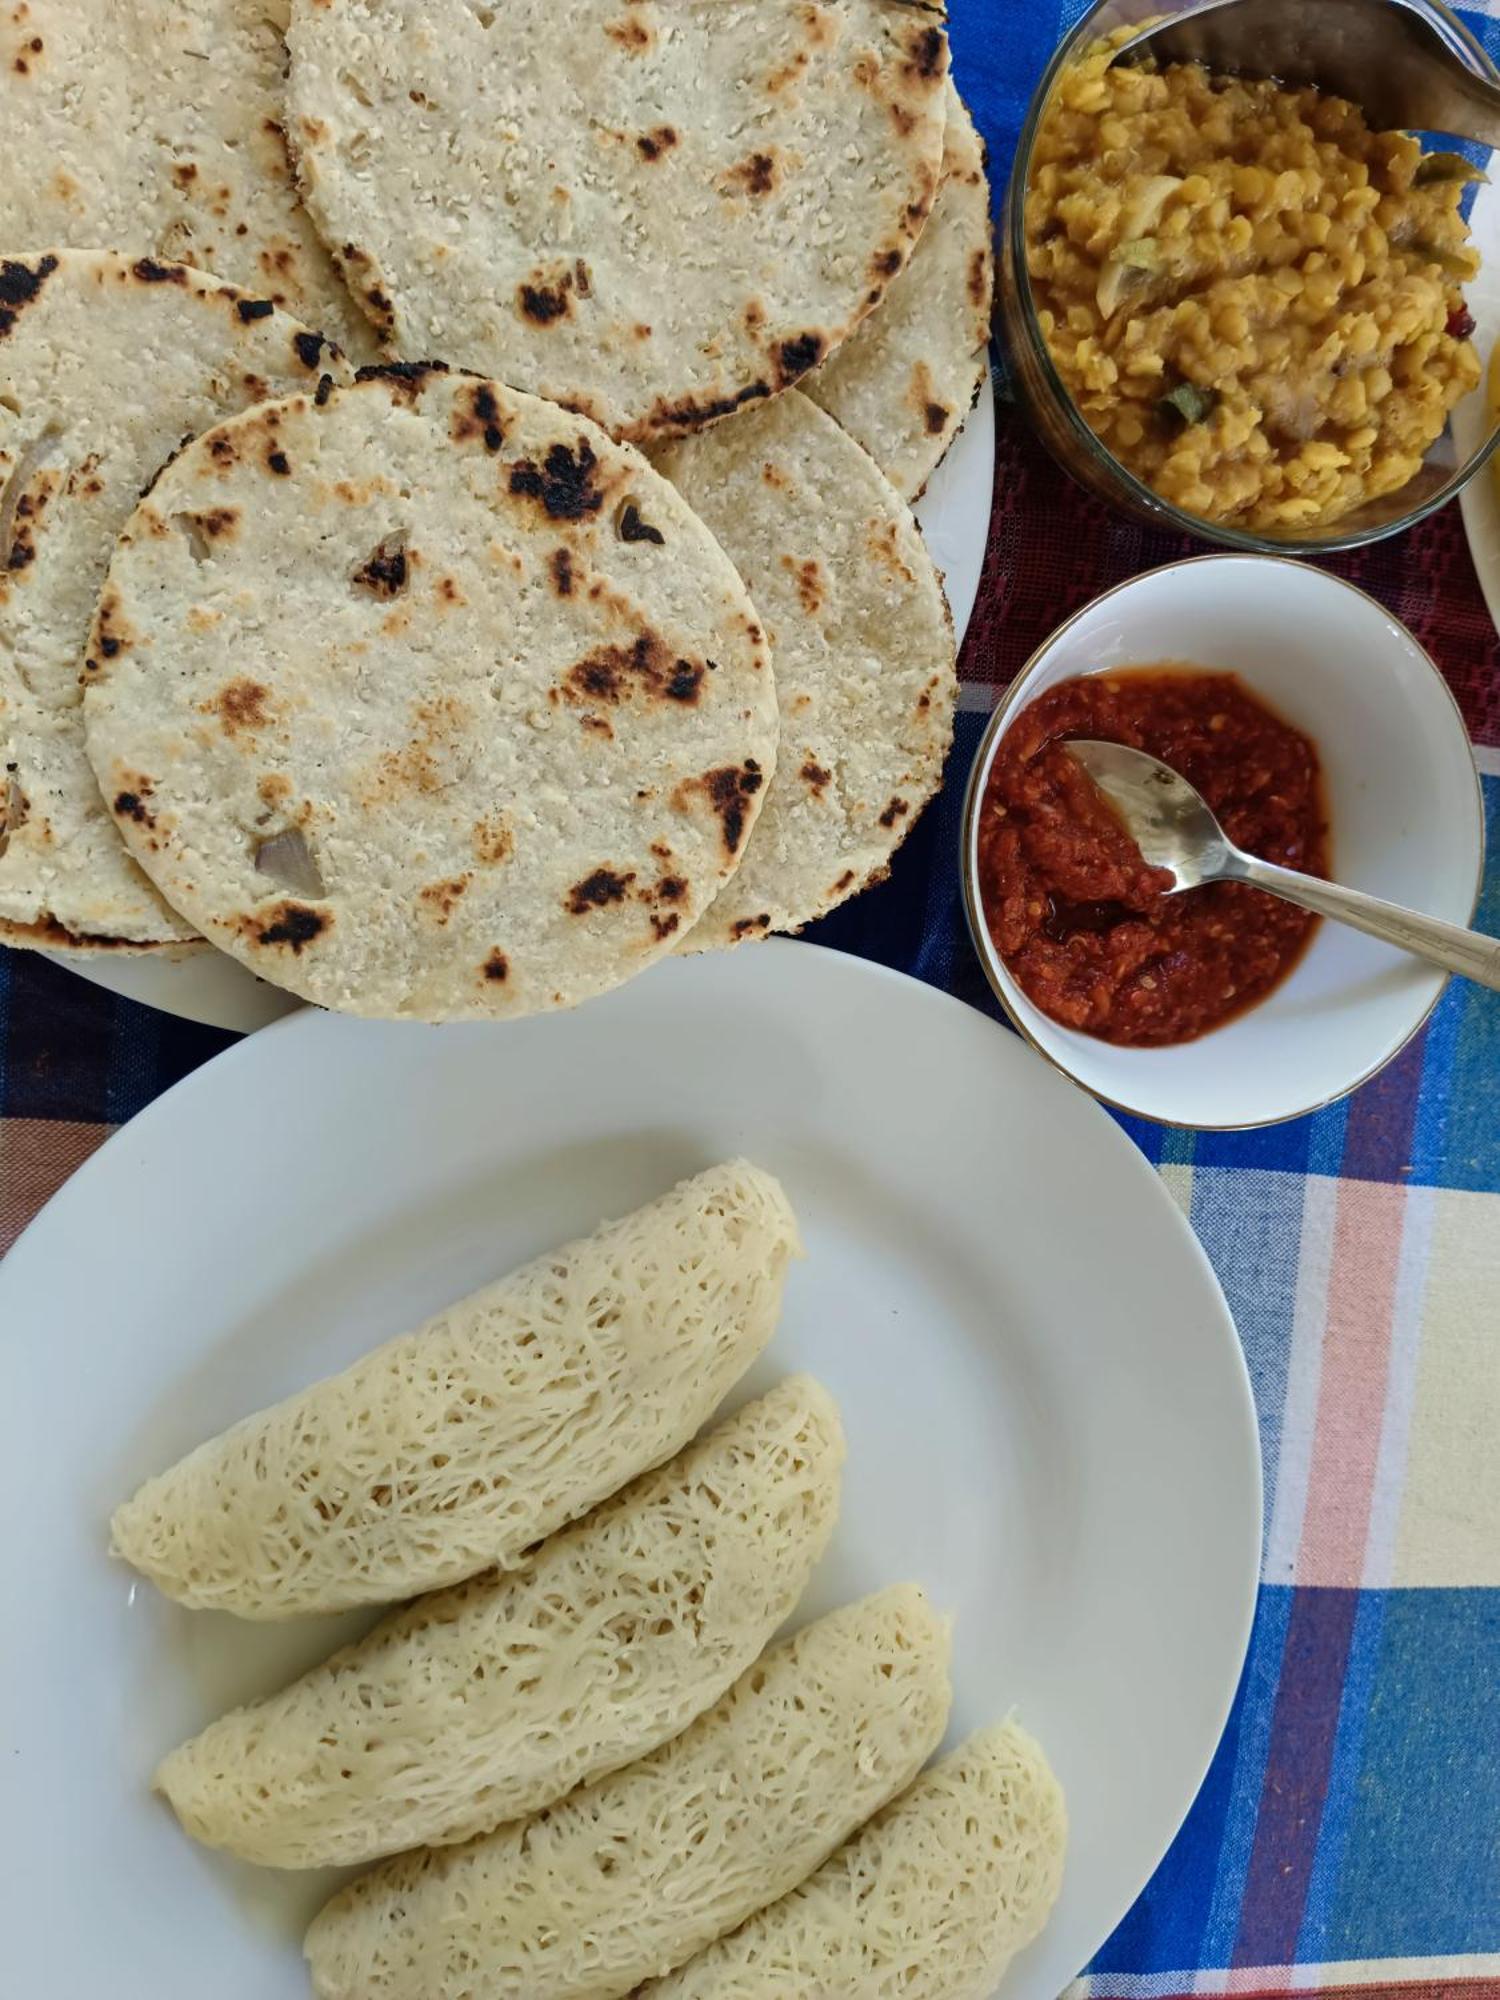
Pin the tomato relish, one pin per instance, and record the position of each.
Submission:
(1085, 927)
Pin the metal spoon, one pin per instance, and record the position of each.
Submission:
(1380, 54)
(1174, 829)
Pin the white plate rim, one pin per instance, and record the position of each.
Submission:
(213, 989)
(1479, 502)
(1040, 1974)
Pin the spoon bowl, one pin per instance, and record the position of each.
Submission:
(1175, 829)
(1168, 820)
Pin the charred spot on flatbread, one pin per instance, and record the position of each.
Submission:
(660, 139)
(563, 483)
(795, 356)
(480, 419)
(688, 413)
(757, 174)
(295, 925)
(132, 803)
(926, 55)
(542, 304)
(385, 571)
(597, 891)
(152, 272)
(223, 449)
(20, 286)
(404, 379)
(632, 526)
(728, 790)
(647, 668)
(112, 630)
(362, 275)
(26, 61)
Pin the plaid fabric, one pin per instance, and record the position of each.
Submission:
(1347, 1838)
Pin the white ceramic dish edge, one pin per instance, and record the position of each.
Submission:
(1480, 499)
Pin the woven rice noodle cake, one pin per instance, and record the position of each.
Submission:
(457, 1447)
(477, 1705)
(650, 210)
(930, 1902)
(906, 378)
(426, 700)
(628, 1877)
(864, 651)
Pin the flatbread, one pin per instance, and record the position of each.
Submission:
(106, 366)
(906, 378)
(628, 1877)
(436, 1456)
(499, 689)
(158, 127)
(864, 654)
(480, 1704)
(650, 210)
(930, 1902)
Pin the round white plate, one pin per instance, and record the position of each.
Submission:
(1480, 499)
(1050, 1423)
(211, 987)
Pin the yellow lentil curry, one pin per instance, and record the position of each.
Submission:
(1252, 299)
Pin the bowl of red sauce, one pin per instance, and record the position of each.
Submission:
(1324, 738)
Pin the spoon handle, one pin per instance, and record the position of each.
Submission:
(1471, 953)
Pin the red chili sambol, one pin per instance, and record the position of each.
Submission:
(1085, 927)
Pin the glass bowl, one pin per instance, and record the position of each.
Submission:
(1444, 471)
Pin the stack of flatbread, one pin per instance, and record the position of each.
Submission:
(455, 478)
(573, 1758)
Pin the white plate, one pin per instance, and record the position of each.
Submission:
(1480, 499)
(211, 987)
(1049, 1418)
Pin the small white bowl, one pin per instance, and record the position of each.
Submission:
(1404, 808)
